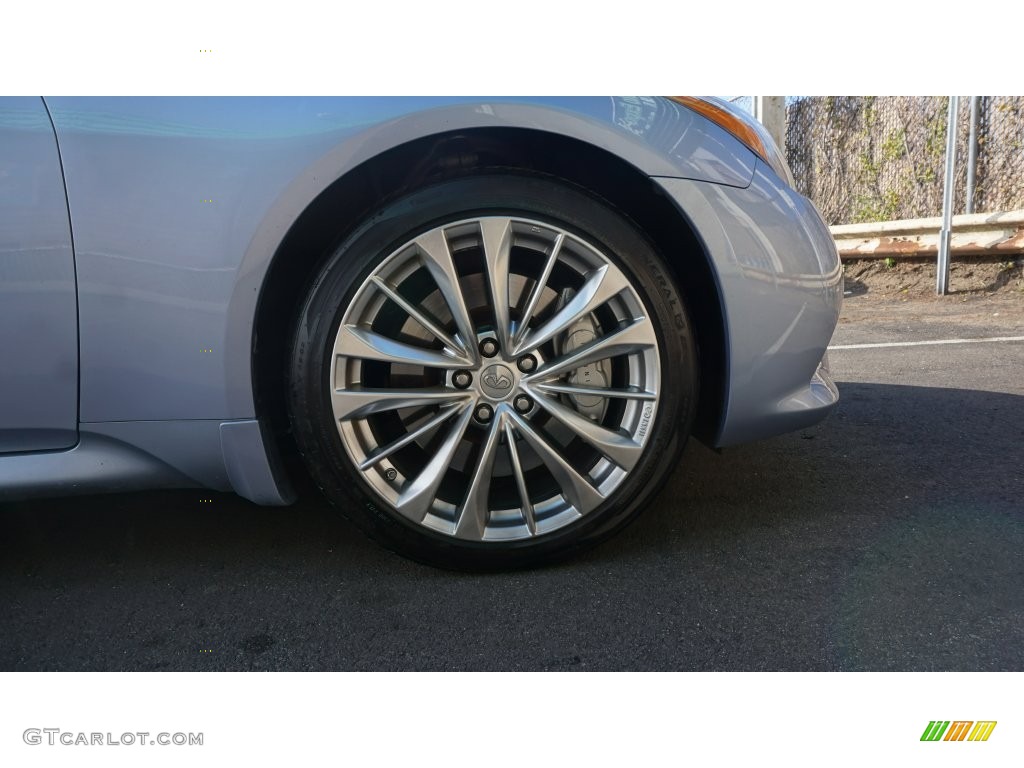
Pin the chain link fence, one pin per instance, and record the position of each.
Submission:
(866, 158)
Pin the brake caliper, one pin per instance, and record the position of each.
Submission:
(594, 374)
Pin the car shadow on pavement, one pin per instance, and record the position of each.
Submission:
(888, 537)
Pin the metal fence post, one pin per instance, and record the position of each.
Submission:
(770, 111)
(942, 276)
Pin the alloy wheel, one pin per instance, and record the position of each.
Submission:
(495, 378)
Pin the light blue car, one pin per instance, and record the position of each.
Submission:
(487, 325)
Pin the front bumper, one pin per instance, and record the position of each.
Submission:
(780, 288)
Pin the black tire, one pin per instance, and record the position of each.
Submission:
(531, 197)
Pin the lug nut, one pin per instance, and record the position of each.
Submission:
(523, 404)
(462, 379)
(488, 347)
(484, 413)
(526, 363)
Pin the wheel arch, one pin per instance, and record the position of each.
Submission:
(345, 203)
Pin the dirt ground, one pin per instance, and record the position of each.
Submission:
(984, 292)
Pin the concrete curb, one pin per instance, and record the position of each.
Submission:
(989, 234)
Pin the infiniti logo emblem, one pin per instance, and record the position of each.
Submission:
(497, 380)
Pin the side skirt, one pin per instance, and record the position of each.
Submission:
(121, 456)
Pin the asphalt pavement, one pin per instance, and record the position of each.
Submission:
(890, 537)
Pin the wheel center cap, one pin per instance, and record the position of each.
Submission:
(496, 381)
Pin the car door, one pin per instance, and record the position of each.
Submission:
(38, 310)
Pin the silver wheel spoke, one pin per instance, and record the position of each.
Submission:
(497, 240)
(358, 403)
(420, 317)
(354, 341)
(627, 393)
(538, 289)
(473, 514)
(601, 285)
(517, 471)
(577, 489)
(418, 495)
(635, 337)
(617, 446)
(437, 256)
(382, 453)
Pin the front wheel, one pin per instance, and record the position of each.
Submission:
(492, 372)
